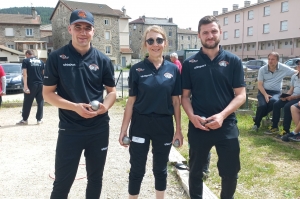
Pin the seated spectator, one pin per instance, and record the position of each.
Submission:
(174, 59)
(285, 103)
(294, 135)
(269, 83)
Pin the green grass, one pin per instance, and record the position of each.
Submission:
(269, 167)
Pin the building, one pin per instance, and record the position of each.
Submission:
(254, 30)
(188, 39)
(107, 27)
(46, 35)
(138, 26)
(22, 32)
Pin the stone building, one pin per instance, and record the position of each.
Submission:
(22, 32)
(188, 39)
(137, 27)
(107, 36)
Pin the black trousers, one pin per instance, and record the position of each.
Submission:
(225, 140)
(35, 93)
(68, 153)
(159, 130)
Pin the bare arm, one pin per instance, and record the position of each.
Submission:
(108, 101)
(238, 100)
(187, 106)
(177, 116)
(126, 118)
(26, 90)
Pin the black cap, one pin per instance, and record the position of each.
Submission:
(81, 16)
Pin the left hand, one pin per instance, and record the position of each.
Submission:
(289, 98)
(178, 136)
(215, 121)
(102, 109)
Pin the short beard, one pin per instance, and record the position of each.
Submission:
(211, 46)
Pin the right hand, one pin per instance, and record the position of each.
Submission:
(267, 97)
(122, 135)
(197, 120)
(26, 90)
(82, 110)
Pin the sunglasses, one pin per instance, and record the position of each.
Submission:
(159, 40)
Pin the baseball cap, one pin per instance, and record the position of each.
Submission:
(80, 15)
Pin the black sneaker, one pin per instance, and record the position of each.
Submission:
(287, 136)
(295, 138)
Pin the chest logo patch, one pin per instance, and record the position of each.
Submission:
(168, 75)
(193, 61)
(139, 69)
(93, 67)
(63, 56)
(223, 63)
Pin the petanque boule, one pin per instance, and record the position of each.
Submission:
(126, 140)
(95, 105)
(203, 123)
(176, 143)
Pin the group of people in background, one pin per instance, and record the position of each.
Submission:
(209, 85)
(270, 98)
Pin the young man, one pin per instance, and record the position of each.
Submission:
(269, 84)
(78, 72)
(285, 103)
(33, 70)
(215, 80)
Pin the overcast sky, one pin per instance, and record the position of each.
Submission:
(185, 13)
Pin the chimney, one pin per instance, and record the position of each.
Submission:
(124, 11)
(224, 10)
(170, 20)
(33, 12)
(143, 17)
(235, 6)
(260, 1)
(247, 3)
(190, 28)
(215, 13)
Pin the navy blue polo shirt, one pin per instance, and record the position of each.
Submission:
(153, 87)
(212, 81)
(34, 68)
(79, 79)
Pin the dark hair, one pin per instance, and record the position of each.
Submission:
(276, 54)
(29, 52)
(207, 20)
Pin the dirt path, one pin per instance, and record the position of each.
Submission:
(27, 160)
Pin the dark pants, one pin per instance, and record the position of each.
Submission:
(225, 140)
(68, 153)
(287, 115)
(35, 92)
(159, 130)
(263, 107)
(0, 101)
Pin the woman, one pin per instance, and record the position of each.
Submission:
(153, 98)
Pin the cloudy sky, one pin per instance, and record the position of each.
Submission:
(183, 15)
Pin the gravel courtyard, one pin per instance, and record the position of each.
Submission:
(27, 160)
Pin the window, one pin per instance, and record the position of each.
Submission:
(237, 33)
(284, 6)
(170, 33)
(11, 46)
(181, 37)
(170, 43)
(237, 18)
(283, 25)
(181, 46)
(107, 49)
(225, 20)
(250, 31)
(225, 35)
(250, 14)
(30, 46)
(64, 21)
(266, 28)
(189, 46)
(107, 35)
(196, 46)
(267, 11)
(106, 21)
(9, 32)
(29, 32)
(189, 38)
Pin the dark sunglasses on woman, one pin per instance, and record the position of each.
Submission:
(159, 40)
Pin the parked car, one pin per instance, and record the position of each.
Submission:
(256, 64)
(13, 76)
(291, 62)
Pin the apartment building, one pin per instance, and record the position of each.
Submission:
(188, 39)
(254, 30)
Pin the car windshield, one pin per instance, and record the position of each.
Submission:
(12, 68)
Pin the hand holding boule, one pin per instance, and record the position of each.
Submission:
(95, 105)
(126, 140)
(203, 123)
(176, 143)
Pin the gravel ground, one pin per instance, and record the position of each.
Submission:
(27, 160)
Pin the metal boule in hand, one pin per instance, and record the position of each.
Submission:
(176, 143)
(203, 123)
(126, 140)
(95, 105)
